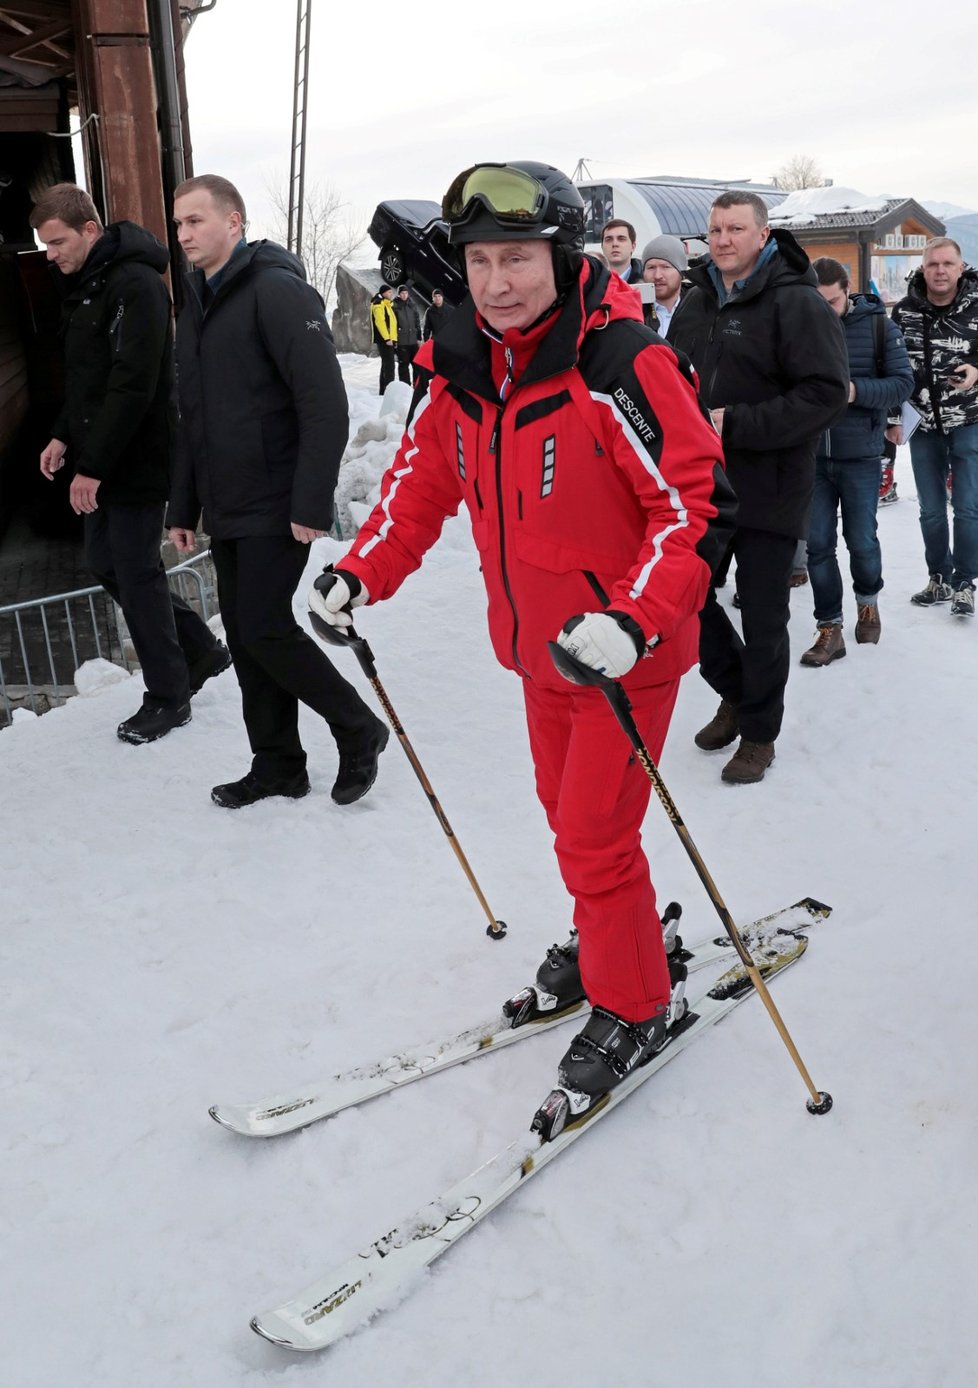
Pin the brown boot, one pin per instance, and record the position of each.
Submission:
(721, 730)
(868, 624)
(828, 646)
(748, 763)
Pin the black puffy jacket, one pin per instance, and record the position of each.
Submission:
(263, 412)
(408, 323)
(859, 433)
(119, 416)
(774, 358)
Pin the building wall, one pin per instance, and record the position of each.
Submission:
(846, 252)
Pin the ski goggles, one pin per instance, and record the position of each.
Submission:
(513, 197)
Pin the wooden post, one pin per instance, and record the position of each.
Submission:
(116, 81)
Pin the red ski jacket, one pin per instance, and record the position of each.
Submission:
(597, 483)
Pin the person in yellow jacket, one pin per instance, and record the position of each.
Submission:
(385, 333)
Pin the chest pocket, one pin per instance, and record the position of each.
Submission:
(547, 456)
(464, 452)
(568, 488)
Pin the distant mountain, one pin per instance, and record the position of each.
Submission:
(964, 230)
(946, 210)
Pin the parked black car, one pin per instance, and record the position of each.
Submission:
(413, 243)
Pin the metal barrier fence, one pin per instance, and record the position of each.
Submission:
(44, 641)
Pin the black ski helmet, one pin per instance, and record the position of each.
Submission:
(518, 201)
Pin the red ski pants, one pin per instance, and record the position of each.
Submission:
(595, 794)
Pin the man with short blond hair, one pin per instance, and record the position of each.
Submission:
(116, 431)
(263, 425)
(939, 321)
(773, 372)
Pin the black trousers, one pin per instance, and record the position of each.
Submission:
(276, 663)
(405, 356)
(122, 549)
(751, 672)
(388, 353)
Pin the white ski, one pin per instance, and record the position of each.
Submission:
(348, 1296)
(280, 1114)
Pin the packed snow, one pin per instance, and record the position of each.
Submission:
(799, 207)
(160, 954)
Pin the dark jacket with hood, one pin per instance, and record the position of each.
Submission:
(408, 323)
(435, 319)
(939, 339)
(263, 411)
(118, 418)
(596, 481)
(773, 356)
(879, 392)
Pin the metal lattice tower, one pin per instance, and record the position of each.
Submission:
(297, 172)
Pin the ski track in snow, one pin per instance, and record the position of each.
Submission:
(159, 954)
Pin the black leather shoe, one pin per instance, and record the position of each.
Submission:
(358, 765)
(234, 795)
(152, 722)
(206, 666)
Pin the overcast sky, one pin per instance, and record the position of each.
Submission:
(882, 96)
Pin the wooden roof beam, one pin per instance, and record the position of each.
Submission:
(33, 9)
(19, 46)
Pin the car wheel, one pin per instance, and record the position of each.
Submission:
(392, 266)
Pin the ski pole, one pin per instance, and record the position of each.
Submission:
(573, 670)
(346, 636)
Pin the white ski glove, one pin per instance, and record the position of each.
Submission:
(334, 593)
(609, 642)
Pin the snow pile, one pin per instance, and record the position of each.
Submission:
(92, 676)
(376, 426)
(801, 206)
(159, 955)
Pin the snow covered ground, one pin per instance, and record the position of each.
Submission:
(159, 954)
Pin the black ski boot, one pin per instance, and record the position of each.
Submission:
(557, 988)
(598, 1059)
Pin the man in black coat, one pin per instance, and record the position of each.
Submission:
(408, 333)
(436, 316)
(774, 374)
(116, 429)
(263, 425)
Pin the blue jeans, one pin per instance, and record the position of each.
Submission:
(931, 455)
(855, 484)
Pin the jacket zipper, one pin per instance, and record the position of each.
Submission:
(716, 363)
(496, 446)
(935, 395)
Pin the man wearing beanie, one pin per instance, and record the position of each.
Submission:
(664, 263)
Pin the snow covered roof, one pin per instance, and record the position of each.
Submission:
(827, 208)
(831, 206)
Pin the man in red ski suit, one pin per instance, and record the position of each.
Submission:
(595, 486)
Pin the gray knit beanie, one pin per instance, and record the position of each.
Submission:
(668, 248)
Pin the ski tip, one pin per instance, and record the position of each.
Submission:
(815, 908)
(273, 1336)
(823, 1104)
